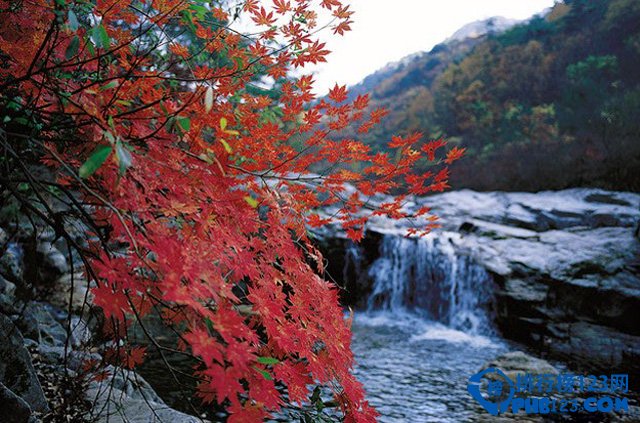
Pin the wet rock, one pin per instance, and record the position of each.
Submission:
(16, 370)
(13, 409)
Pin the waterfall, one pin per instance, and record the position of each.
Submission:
(428, 276)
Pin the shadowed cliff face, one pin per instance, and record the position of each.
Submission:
(558, 271)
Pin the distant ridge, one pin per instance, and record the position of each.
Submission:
(459, 42)
(495, 24)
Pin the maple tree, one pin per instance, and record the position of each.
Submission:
(195, 179)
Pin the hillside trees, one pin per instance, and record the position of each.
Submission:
(547, 104)
(183, 145)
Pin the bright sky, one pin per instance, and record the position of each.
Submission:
(385, 31)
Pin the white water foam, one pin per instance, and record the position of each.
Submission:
(438, 332)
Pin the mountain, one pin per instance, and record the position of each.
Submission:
(549, 103)
(476, 29)
(452, 48)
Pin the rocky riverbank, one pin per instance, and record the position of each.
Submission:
(50, 341)
(565, 264)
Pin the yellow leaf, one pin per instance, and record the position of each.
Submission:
(251, 201)
(226, 145)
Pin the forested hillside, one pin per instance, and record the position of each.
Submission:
(548, 104)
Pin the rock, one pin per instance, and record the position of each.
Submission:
(16, 370)
(125, 397)
(7, 288)
(77, 359)
(11, 267)
(53, 262)
(80, 333)
(609, 351)
(38, 324)
(566, 264)
(8, 304)
(13, 409)
(51, 355)
(518, 362)
(71, 288)
(570, 280)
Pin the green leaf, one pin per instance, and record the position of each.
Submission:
(188, 19)
(90, 48)
(72, 20)
(100, 37)
(109, 136)
(124, 158)
(209, 324)
(95, 160)
(199, 10)
(110, 85)
(223, 123)
(14, 105)
(184, 122)
(264, 373)
(208, 99)
(315, 395)
(267, 360)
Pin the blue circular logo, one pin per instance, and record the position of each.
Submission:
(496, 387)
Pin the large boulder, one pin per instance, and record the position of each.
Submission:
(13, 409)
(16, 370)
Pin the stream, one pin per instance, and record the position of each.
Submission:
(416, 370)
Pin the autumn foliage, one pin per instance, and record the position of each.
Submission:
(198, 179)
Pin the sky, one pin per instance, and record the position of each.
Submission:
(385, 31)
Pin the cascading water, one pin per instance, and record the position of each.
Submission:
(426, 328)
(427, 276)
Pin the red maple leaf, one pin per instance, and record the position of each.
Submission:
(454, 154)
(338, 93)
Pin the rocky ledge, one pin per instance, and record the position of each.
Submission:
(566, 266)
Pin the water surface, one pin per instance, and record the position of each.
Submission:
(416, 370)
